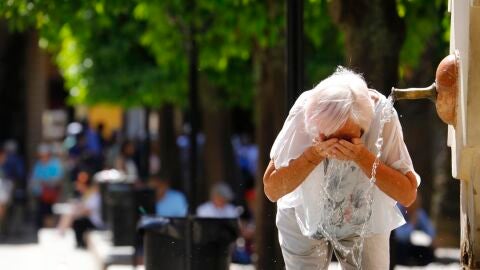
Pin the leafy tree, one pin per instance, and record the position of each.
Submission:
(324, 42)
(427, 31)
(96, 45)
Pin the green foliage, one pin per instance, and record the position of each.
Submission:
(426, 22)
(324, 48)
(227, 33)
(228, 42)
(97, 46)
(135, 52)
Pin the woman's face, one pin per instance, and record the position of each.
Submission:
(348, 131)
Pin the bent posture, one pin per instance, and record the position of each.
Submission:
(320, 175)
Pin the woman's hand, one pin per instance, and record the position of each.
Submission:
(322, 147)
(345, 150)
(399, 186)
(280, 181)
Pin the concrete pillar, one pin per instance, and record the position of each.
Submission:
(465, 137)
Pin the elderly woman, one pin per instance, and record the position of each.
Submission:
(338, 167)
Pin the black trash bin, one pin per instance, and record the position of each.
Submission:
(124, 205)
(103, 202)
(121, 213)
(104, 179)
(121, 204)
(188, 243)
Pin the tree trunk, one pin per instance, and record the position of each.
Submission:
(270, 106)
(36, 89)
(169, 157)
(12, 86)
(374, 34)
(219, 160)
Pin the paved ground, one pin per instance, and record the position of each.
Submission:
(63, 257)
(51, 253)
(31, 256)
(55, 252)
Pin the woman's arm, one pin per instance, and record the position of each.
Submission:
(401, 187)
(279, 182)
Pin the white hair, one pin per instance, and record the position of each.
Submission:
(341, 96)
(223, 190)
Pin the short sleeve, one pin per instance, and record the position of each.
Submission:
(290, 143)
(292, 140)
(395, 153)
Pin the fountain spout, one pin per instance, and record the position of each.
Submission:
(443, 92)
(415, 93)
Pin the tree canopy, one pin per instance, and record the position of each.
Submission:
(134, 52)
(96, 46)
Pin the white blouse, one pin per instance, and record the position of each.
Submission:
(340, 206)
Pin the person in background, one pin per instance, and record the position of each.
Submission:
(14, 169)
(85, 151)
(101, 136)
(14, 165)
(244, 246)
(5, 193)
(86, 213)
(93, 139)
(125, 161)
(154, 162)
(410, 249)
(79, 147)
(169, 202)
(219, 205)
(112, 150)
(46, 184)
(72, 132)
(58, 154)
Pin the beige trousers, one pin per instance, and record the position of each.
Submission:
(302, 253)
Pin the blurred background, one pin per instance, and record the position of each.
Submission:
(180, 101)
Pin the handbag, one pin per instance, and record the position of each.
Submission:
(50, 194)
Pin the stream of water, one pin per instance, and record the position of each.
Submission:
(347, 207)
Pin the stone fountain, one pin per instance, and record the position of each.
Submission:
(443, 92)
(456, 93)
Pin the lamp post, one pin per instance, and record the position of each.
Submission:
(193, 103)
(193, 112)
(295, 77)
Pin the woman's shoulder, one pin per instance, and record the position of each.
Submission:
(376, 96)
(379, 100)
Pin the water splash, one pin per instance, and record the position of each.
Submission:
(332, 201)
